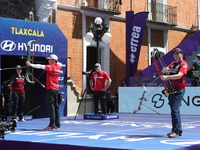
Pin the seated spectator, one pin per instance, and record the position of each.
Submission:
(198, 59)
(123, 83)
(195, 65)
(136, 84)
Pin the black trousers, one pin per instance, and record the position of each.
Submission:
(51, 97)
(18, 105)
(7, 110)
(110, 106)
(99, 96)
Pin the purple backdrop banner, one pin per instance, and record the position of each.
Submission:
(135, 25)
(188, 45)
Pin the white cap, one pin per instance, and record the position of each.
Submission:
(198, 54)
(52, 56)
(97, 65)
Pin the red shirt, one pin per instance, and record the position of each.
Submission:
(52, 73)
(99, 80)
(175, 68)
(17, 84)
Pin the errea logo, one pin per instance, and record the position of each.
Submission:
(8, 45)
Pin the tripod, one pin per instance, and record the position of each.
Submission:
(86, 91)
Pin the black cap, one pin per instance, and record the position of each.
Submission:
(177, 50)
(18, 67)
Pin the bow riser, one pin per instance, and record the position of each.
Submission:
(28, 73)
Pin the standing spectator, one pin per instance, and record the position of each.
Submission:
(109, 99)
(17, 83)
(53, 71)
(99, 83)
(7, 99)
(2, 106)
(177, 71)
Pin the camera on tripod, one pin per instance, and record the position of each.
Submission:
(8, 126)
(86, 91)
(87, 73)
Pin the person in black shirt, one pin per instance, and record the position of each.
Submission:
(6, 99)
(17, 83)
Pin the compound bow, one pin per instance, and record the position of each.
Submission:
(165, 91)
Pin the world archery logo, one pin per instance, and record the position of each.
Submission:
(158, 101)
(8, 45)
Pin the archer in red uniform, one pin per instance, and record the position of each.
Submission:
(16, 85)
(53, 71)
(177, 71)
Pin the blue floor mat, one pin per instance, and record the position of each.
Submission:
(130, 131)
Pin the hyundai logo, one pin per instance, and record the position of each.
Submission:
(8, 45)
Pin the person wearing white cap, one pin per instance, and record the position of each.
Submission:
(16, 85)
(198, 59)
(99, 83)
(53, 71)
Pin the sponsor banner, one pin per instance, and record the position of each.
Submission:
(188, 45)
(15, 34)
(156, 101)
(135, 25)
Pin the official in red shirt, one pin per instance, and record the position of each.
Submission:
(99, 83)
(17, 83)
(177, 71)
(53, 71)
